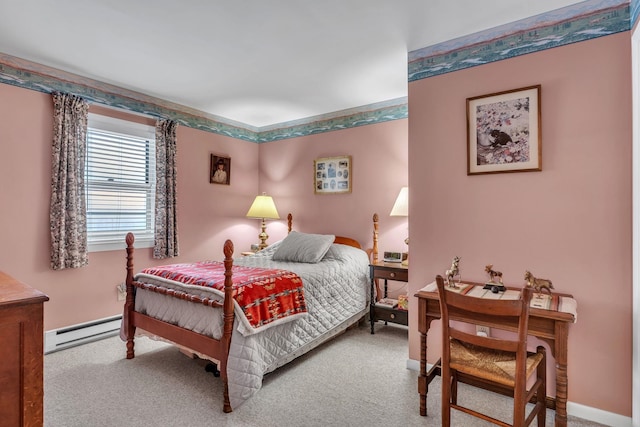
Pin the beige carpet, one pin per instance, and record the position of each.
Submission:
(356, 379)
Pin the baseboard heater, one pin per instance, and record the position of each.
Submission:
(59, 339)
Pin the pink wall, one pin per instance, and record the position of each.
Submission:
(379, 170)
(570, 223)
(207, 213)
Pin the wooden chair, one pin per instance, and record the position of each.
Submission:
(499, 363)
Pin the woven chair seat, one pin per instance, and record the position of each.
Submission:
(492, 365)
(500, 364)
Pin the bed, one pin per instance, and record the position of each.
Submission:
(218, 321)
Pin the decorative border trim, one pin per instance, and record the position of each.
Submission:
(30, 75)
(635, 12)
(571, 24)
(394, 109)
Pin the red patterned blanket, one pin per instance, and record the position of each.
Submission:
(263, 295)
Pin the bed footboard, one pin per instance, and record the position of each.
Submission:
(217, 349)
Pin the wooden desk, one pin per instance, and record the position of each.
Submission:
(548, 325)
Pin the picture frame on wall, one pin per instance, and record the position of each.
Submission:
(504, 132)
(220, 171)
(332, 175)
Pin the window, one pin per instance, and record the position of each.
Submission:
(120, 182)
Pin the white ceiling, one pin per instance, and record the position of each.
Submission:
(257, 62)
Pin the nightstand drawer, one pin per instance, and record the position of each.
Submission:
(391, 315)
(383, 272)
(401, 276)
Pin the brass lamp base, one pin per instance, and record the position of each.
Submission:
(263, 236)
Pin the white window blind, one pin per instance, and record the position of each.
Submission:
(120, 183)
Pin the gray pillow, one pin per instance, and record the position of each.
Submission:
(302, 247)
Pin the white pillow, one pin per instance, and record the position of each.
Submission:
(302, 247)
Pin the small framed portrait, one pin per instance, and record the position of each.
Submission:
(503, 132)
(220, 172)
(332, 175)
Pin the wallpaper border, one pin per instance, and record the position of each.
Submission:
(571, 24)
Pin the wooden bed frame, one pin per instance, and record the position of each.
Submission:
(217, 349)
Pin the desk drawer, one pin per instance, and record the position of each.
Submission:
(401, 276)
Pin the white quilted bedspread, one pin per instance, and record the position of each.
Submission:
(336, 292)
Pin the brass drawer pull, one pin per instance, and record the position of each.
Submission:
(392, 274)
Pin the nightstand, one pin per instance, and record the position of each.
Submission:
(247, 253)
(386, 271)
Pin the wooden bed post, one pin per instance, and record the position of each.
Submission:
(228, 319)
(129, 328)
(289, 222)
(375, 238)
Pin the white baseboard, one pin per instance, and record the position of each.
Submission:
(598, 415)
(573, 409)
(414, 365)
(59, 339)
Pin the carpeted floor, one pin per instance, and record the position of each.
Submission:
(354, 380)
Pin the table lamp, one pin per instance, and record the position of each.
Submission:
(401, 208)
(263, 208)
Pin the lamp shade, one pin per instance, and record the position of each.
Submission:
(401, 206)
(263, 207)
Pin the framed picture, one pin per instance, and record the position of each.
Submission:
(503, 132)
(220, 172)
(332, 175)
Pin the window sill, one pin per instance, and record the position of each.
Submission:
(118, 245)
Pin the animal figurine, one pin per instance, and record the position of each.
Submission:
(537, 284)
(453, 271)
(493, 274)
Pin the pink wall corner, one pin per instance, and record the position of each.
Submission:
(379, 170)
(212, 213)
(208, 213)
(571, 222)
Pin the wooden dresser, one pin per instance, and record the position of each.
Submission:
(21, 353)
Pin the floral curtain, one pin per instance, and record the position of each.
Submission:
(67, 213)
(166, 225)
